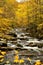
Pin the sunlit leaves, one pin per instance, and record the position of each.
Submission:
(14, 14)
(38, 62)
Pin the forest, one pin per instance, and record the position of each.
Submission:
(28, 14)
(21, 32)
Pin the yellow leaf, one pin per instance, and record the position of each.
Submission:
(3, 53)
(16, 57)
(29, 59)
(16, 61)
(1, 56)
(21, 61)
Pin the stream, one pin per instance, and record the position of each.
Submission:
(26, 45)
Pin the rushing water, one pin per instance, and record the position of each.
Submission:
(24, 43)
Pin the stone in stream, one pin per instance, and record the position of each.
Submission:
(3, 45)
(12, 34)
(9, 56)
(27, 62)
(11, 45)
(24, 44)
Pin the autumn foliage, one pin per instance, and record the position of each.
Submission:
(26, 14)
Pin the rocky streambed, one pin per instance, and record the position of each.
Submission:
(28, 49)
